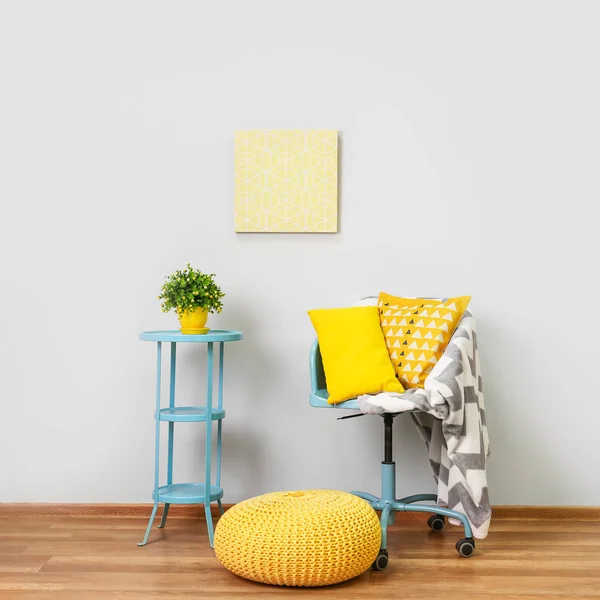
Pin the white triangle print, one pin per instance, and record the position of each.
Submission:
(407, 367)
(435, 348)
(403, 322)
(407, 314)
(388, 343)
(411, 356)
(384, 323)
(424, 313)
(398, 314)
(444, 327)
(399, 333)
(422, 358)
(432, 360)
(439, 305)
(415, 379)
(393, 323)
(429, 306)
(420, 324)
(425, 346)
(414, 346)
(394, 355)
(396, 344)
(404, 378)
(418, 369)
(451, 307)
(428, 336)
(435, 315)
(387, 313)
(432, 325)
(448, 317)
(417, 335)
(439, 338)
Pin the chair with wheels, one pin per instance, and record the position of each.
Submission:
(388, 504)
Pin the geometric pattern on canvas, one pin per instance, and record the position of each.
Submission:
(286, 180)
(417, 331)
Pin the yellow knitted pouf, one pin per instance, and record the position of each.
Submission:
(304, 538)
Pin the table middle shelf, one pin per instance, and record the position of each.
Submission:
(195, 414)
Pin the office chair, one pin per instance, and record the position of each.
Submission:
(388, 504)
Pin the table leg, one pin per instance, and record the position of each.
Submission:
(157, 445)
(220, 424)
(165, 514)
(208, 456)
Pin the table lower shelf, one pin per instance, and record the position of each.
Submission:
(187, 493)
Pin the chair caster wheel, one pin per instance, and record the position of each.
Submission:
(465, 547)
(381, 562)
(436, 522)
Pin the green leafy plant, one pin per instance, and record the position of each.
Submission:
(188, 289)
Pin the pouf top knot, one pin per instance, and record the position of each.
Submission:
(299, 538)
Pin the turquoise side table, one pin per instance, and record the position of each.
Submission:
(188, 493)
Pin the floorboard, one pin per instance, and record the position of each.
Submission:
(68, 558)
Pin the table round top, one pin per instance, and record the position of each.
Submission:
(174, 335)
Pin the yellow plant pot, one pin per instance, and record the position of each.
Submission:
(193, 321)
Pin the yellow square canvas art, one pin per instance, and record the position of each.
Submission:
(286, 180)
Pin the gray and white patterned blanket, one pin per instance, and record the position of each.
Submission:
(450, 415)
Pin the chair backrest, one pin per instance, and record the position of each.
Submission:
(317, 373)
(318, 384)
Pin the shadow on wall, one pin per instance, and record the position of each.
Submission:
(246, 465)
(516, 438)
(255, 358)
(249, 365)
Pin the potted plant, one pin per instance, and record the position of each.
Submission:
(192, 294)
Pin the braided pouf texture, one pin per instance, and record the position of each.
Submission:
(301, 538)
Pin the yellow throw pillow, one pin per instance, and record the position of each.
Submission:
(355, 359)
(417, 331)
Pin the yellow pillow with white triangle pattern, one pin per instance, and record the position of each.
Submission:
(417, 331)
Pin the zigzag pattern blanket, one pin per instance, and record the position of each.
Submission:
(450, 415)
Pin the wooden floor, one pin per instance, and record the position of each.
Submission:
(93, 558)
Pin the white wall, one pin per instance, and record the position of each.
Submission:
(469, 165)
